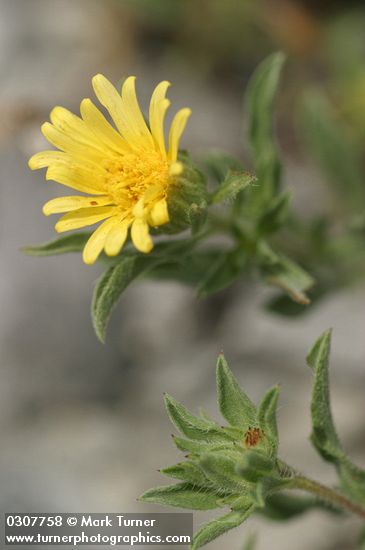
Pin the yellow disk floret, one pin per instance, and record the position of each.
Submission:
(125, 171)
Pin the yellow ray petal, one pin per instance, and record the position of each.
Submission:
(83, 217)
(112, 101)
(47, 158)
(116, 237)
(159, 213)
(177, 127)
(70, 145)
(96, 242)
(76, 178)
(138, 209)
(158, 107)
(140, 236)
(67, 204)
(44, 158)
(74, 126)
(133, 112)
(97, 123)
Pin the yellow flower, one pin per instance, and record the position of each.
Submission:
(125, 172)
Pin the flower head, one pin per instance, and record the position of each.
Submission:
(125, 172)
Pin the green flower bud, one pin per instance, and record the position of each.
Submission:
(187, 199)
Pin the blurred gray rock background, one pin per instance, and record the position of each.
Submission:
(82, 425)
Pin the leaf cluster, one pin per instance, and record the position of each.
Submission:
(236, 466)
(233, 466)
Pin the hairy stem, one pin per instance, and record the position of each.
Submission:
(327, 494)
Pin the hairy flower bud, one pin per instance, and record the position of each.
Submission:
(187, 199)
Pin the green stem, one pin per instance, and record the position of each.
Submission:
(327, 494)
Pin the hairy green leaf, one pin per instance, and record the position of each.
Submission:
(234, 183)
(234, 404)
(267, 415)
(182, 495)
(192, 426)
(187, 471)
(110, 286)
(62, 245)
(219, 526)
(291, 278)
(324, 436)
(220, 468)
(284, 273)
(125, 269)
(260, 98)
(197, 447)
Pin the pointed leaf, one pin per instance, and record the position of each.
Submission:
(233, 183)
(182, 495)
(130, 265)
(63, 245)
(111, 285)
(324, 435)
(198, 447)
(219, 526)
(192, 426)
(260, 98)
(115, 280)
(187, 471)
(284, 273)
(267, 415)
(234, 404)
